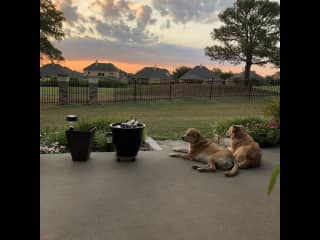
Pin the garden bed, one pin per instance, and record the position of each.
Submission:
(57, 148)
(264, 131)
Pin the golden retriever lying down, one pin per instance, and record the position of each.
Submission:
(208, 152)
(246, 151)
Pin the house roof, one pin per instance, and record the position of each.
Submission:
(54, 70)
(96, 66)
(200, 73)
(153, 72)
(253, 75)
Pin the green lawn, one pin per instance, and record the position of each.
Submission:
(275, 89)
(164, 120)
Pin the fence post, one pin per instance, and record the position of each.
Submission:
(135, 90)
(63, 83)
(250, 88)
(211, 90)
(170, 90)
(93, 90)
(211, 87)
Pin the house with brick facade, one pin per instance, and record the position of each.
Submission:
(102, 70)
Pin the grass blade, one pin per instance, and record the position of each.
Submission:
(273, 178)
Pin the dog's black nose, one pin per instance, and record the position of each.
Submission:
(182, 138)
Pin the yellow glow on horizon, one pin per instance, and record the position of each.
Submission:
(79, 65)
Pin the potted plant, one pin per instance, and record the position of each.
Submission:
(127, 138)
(79, 141)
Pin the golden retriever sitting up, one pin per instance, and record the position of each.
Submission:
(246, 152)
(208, 152)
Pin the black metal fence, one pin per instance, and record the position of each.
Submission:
(49, 91)
(138, 92)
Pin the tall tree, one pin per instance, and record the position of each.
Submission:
(179, 71)
(217, 71)
(250, 33)
(50, 27)
(223, 75)
(226, 75)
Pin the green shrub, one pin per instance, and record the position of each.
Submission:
(273, 109)
(48, 137)
(99, 141)
(111, 82)
(222, 127)
(49, 82)
(264, 131)
(78, 82)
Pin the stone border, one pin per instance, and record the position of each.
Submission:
(153, 144)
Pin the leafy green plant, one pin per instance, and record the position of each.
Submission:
(50, 136)
(273, 178)
(273, 109)
(99, 141)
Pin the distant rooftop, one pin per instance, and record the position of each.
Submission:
(54, 70)
(200, 72)
(96, 66)
(153, 72)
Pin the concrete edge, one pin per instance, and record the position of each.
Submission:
(153, 144)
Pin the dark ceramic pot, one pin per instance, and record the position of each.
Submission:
(80, 143)
(127, 141)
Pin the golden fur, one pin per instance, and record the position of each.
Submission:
(203, 150)
(245, 150)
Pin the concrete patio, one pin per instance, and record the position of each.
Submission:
(156, 197)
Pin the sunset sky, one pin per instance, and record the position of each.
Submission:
(133, 34)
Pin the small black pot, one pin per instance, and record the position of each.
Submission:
(80, 143)
(127, 141)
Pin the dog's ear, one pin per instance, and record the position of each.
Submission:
(237, 129)
(196, 136)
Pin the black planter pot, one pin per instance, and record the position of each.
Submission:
(127, 141)
(80, 143)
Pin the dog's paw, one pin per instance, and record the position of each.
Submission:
(230, 149)
(195, 167)
(179, 149)
(200, 169)
(172, 154)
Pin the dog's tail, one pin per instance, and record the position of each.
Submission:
(234, 171)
